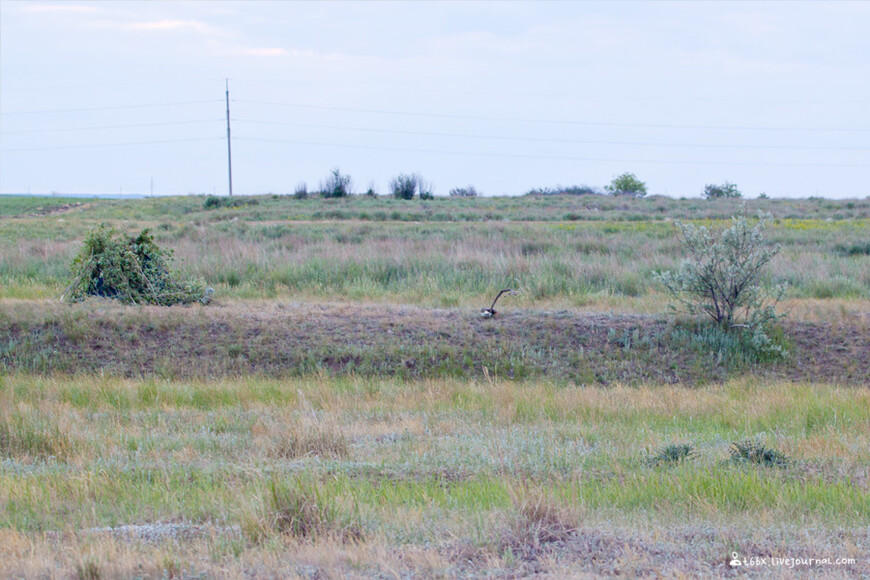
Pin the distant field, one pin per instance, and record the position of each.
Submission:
(604, 259)
(341, 410)
(16, 205)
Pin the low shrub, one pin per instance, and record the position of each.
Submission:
(215, 202)
(725, 191)
(754, 452)
(671, 454)
(721, 279)
(469, 191)
(133, 270)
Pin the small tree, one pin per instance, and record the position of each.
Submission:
(721, 278)
(336, 184)
(726, 190)
(626, 184)
(404, 186)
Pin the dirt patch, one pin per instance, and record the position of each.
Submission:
(298, 339)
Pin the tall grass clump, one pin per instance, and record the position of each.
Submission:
(33, 436)
(311, 441)
(305, 510)
(721, 279)
(133, 270)
(537, 520)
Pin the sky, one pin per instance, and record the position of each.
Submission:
(130, 97)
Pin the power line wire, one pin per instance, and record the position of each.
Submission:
(550, 157)
(110, 108)
(551, 140)
(556, 121)
(124, 144)
(96, 128)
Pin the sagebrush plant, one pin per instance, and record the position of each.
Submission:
(133, 270)
(721, 279)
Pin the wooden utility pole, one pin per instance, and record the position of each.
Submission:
(229, 150)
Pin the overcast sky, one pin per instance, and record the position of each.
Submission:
(102, 97)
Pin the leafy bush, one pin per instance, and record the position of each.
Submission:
(726, 190)
(336, 184)
(404, 186)
(469, 191)
(626, 184)
(301, 191)
(132, 270)
(721, 278)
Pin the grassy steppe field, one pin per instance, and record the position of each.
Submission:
(341, 409)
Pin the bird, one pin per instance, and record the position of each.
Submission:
(491, 311)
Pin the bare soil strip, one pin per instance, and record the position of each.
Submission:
(300, 339)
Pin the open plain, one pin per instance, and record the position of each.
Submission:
(341, 410)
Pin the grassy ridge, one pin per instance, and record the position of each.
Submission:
(283, 339)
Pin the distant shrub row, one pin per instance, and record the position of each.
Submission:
(411, 185)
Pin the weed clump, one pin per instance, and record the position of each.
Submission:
(24, 435)
(305, 511)
(537, 521)
(672, 454)
(318, 442)
(754, 452)
(133, 270)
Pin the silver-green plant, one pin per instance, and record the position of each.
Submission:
(722, 276)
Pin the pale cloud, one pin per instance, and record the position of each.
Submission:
(267, 52)
(161, 25)
(59, 8)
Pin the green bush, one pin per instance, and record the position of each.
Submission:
(626, 184)
(134, 270)
(721, 278)
(404, 186)
(336, 184)
(726, 190)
